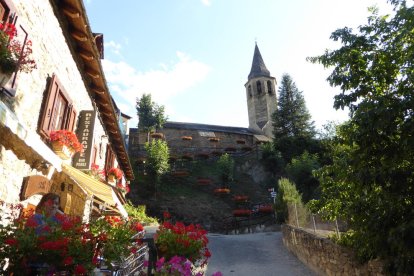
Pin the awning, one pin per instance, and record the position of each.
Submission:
(25, 144)
(104, 192)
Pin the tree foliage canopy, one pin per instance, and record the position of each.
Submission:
(157, 157)
(291, 118)
(150, 115)
(371, 182)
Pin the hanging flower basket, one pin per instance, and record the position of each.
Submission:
(187, 138)
(62, 150)
(64, 143)
(204, 181)
(240, 198)
(241, 141)
(222, 191)
(242, 213)
(114, 174)
(214, 139)
(156, 135)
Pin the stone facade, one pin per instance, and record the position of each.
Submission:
(53, 56)
(261, 96)
(206, 140)
(326, 257)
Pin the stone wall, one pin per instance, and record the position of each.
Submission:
(324, 256)
(52, 56)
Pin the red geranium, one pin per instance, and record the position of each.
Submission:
(67, 138)
(117, 173)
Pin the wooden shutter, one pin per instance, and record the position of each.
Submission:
(71, 118)
(47, 117)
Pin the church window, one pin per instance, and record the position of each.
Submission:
(269, 87)
(249, 88)
(259, 87)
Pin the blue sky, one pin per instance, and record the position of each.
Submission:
(194, 56)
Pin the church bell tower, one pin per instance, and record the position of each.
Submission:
(261, 96)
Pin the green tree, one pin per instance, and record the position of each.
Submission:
(225, 166)
(287, 196)
(150, 115)
(300, 170)
(157, 159)
(293, 129)
(371, 180)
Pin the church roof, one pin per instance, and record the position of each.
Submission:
(258, 66)
(212, 128)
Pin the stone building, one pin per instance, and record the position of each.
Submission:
(66, 90)
(193, 141)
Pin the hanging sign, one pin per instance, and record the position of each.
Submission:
(82, 160)
(35, 184)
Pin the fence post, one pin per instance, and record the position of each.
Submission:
(297, 219)
(314, 224)
(337, 228)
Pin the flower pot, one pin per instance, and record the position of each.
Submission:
(62, 150)
(111, 178)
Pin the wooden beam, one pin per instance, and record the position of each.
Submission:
(78, 35)
(71, 12)
(86, 55)
(92, 72)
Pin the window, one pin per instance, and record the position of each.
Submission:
(8, 15)
(58, 111)
(269, 87)
(249, 88)
(110, 158)
(259, 87)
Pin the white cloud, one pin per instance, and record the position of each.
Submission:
(128, 84)
(206, 2)
(113, 47)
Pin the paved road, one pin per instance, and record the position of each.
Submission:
(258, 254)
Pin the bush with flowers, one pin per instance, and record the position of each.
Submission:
(116, 239)
(11, 55)
(115, 172)
(67, 138)
(64, 243)
(189, 241)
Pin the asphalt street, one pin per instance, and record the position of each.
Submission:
(257, 254)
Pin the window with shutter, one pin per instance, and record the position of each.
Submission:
(8, 14)
(58, 111)
(110, 158)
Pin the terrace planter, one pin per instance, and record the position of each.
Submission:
(240, 198)
(242, 213)
(222, 191)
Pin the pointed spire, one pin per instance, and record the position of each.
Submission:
(258, 67)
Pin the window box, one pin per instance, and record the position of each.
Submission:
(242, 213)
(204, 181)
(214, 139)
(222, 191)
(240, 198)
(187, 138)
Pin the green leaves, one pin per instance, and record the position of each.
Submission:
(371, 179)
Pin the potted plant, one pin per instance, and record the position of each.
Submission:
(12, 58)
(65, 143)
(114, 174)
